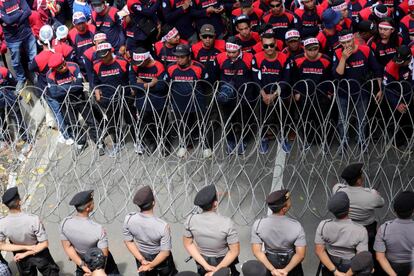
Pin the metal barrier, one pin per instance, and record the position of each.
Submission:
(325, 126)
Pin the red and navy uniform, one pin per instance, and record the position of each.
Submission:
(40, 68)
(308, 21)
(259, 46)
(157, 96)
(110, 76)
(176, 16)
(81, 42)
(36, 22)
(164, 54)
(328, 43)
(354, 8)
(139, 10)
(383, 52)
(65, 49)
(280, 23)
(401, 10)
(407, 29)
(207, 56)
(89, 59)
(255, 17)
(199, 13)
(346, 25)
(360, 66)
(15, 20)
(395, 93)
(291, 55)
(3, 45)
(367, 14)
(69, 83)
(269, 71)
(261, 4)
(182, 87)
(7, 81)
(248, 44)
(109, 22)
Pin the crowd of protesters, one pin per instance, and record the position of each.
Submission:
(255, 53)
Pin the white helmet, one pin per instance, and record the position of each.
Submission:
(46, 34)
(62, 32)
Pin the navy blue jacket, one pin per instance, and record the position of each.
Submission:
(14, 17)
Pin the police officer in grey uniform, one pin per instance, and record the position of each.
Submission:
(283, 238)
(362, 264)
(148, 238)
(394, 242)
(363, 201)
(338, 240)
(211, 239)
(27, 236)
(79, 233)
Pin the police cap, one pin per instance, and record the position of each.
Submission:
(81, 198)
(254, 268)
(362, 262)
(10, 195)
(205, 196)
(143, 196)
(352, 172)
(404, 202)
(339, 204)
(278, 198)
(224, 271)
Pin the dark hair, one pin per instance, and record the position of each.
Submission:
(14, 204)
(394, 38)
(268, 36)
(209, 206)
(81, 208)
(341, 216)
(146, 207)
(404, 215)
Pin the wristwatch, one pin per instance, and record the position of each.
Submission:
(82, 264)
(333, 270)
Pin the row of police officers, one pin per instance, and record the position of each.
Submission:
(342, 244)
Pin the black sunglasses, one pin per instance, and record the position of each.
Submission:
(61, 66)
(275, 6)
(271, 45)
(207, 36)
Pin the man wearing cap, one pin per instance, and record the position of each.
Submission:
(111, 73)
(78, 233)
(342, 7)
(309, 18)
(328, 37)
(354, 65)
(293, 44)
(363, 201)
(264, 29)
(81, 37)
(148, 80)
(398, 83)
(235, 69)
(271, 70)
(254, 13)
(188, 99)
(61, 44)
(211, 239)
(89, 57)
(281, 19)
(165, 47)
(311, 72)
(362, 264)
(283, 238)
(407, 24)
(26, 229)
(246, 37)
(395, 240)
(65, 85)
(106, 20)
(338, 240)
(206, 50)
(365, 30)
(148, 238)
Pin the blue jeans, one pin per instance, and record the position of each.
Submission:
(29, 46)
(346, 106)
(57, 111)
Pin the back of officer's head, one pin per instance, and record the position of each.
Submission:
(352, 173)
(278, 200)
(254, 268)
(362, 264)
(95, 259)
(206, 198)
(338, 205)
(11, 198)
(404, 204)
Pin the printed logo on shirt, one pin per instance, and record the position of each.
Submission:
(64, 81)
(239, 72)
(388, 51)
(318, 71)
(111, 72)
(12, 8)
(84, 43)
(208, 3)
(183, 78)
(270, 71)
(147, 76)
(129, 34)
(357, 63)
(280, 25)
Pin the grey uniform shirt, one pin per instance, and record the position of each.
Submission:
(363, 202)
(342, 238)
(396, 239)
(278, 233)
(83, 233)
(211, 232)
(22, 228)
(150, 233)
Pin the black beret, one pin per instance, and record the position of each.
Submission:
(352, 171)
(339, 204)
(143, 196)
(254, 268)
(362, 262)
(205, 196)
(404, 202)
(10, 195)
(366, 26)
(278, 198)
(242, 19)
(95, 259)
(225, 271)
(81, 198)
(187, 273)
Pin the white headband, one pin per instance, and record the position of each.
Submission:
(140, 56)
(385, 25)
(170, 35)
(346, 37)
(310, 41)
(380, 14)
(231, 47)
(340, 7)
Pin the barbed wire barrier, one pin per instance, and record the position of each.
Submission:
(162, 138)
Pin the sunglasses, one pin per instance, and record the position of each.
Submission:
(313, 48)
(266, 46)
(207, 36)
(275, 5)
(61, 66)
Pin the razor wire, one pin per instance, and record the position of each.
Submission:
(143, 130)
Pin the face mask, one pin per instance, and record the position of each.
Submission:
(99, 9)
